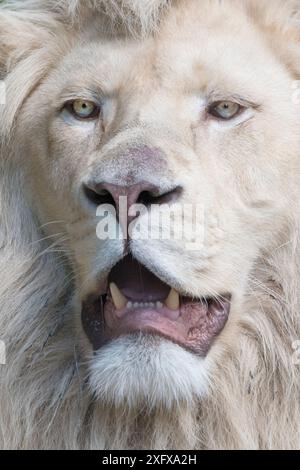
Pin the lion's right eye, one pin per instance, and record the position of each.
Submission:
(83, 109)
(225, 110)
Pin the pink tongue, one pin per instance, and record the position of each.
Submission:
(136, 282)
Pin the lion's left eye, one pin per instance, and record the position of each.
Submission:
(225, 109)
(83, 109)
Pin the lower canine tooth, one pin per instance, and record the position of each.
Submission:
(118, 298)
(172, 301)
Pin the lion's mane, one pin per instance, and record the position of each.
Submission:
(254, 401)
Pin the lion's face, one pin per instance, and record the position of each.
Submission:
(191, 120)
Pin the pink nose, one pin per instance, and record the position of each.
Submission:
(142, 193)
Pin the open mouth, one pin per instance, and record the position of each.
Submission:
(138, 301)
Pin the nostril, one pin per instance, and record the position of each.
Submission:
(98, 197)
(147, 198)
(171, 196)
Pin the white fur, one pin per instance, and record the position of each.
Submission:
(143, 371)
(135, 14)
(49, 384)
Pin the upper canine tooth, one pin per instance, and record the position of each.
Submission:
(172, 301)
(118, 298)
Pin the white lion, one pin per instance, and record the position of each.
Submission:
(140, 341)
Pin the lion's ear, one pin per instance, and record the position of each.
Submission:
(279, 20)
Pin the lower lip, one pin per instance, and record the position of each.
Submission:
(141, 319)
(194, 327)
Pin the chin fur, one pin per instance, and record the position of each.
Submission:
(138, 370)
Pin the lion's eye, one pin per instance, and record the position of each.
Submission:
(225, 109)
(83, 109)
